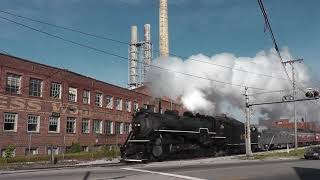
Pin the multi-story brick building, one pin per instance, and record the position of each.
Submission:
(43, 106)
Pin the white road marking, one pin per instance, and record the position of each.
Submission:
(162, 173)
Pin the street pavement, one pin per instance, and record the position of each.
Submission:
(242, 170)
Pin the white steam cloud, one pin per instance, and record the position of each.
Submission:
(211, 97)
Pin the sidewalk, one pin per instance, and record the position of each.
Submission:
(31, 167)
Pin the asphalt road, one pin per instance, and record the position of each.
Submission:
(279, 170)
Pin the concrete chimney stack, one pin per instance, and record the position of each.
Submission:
(133, 58)
(163, 29)
(147, 48)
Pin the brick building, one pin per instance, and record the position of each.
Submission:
(43, 106)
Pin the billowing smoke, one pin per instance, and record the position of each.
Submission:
(197, 83)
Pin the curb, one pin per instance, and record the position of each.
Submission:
(15, 171)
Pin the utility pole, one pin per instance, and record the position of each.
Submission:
(291, 62)
(247, 126)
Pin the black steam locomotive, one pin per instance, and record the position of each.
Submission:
(156, 137)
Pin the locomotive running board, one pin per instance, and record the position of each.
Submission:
(179, 131)
(138, 140)
(134, 160)
(218, 137)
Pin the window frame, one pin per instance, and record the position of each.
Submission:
(51, 90)
(88, 126)
(109, 102)
(58, 124)
(72, 120)
(118, 106)
(108, 127)
(126, 128)
(38, 123)
(100, 98)
(100, 126)
(85, 97)
(70, 94)
(12, 89)
(32, 87)
(128, 105)
(15, 121)
(135, 106)
(116, 129)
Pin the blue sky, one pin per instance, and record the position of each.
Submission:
(196, 26)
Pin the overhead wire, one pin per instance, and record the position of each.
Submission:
(126, 43)
(124, 58)
(268, 27)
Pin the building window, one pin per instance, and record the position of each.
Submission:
(118, 104)
(72, 96)
(13, 83)
(10, 122)
(97, 126)
(5, 155)
(86, 97)
(32, 151)
(128, 105)
(98, 100)
(55, 150)
(108, 127)
(35, 87)
(109, 101)
(55, 90)
(71, 125)
(126, 128)
(85, 126)
(85, 148)
(118, 127)
(33, 123)
(54, 124)
(135, 106)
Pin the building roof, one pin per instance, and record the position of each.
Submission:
(65, 70)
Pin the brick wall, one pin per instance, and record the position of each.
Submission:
(44, 106)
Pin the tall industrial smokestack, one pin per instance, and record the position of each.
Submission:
(147, 50)
(163, 29)
(133, 58)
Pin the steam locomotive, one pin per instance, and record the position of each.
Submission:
(157, 137)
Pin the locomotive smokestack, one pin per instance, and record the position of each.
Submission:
(163, 29)
(133, 61)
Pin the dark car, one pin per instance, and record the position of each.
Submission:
(312, 153)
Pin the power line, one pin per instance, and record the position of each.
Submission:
(122, 57)
(6, 52)
(65, 28)
(122, 42)
(268, 26)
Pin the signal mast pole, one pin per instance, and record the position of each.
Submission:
(291, 62)
(247, 126)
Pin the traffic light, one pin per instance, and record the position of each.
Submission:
(287, 98)
(312, 94)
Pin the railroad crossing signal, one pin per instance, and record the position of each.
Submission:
(312, 93)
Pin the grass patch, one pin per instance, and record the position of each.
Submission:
(294, 153)
(79, 156)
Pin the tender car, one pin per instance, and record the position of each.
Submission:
(312, 153)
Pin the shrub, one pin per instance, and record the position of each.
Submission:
(9, 151)
(75, 148)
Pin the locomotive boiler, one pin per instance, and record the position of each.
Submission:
(157, 136)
